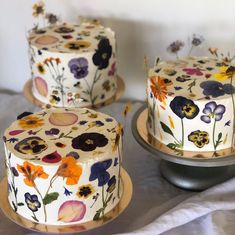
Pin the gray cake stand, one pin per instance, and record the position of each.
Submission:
(192, 173)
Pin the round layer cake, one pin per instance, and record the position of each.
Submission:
(191, 104)
(63, 166)
(73, 63)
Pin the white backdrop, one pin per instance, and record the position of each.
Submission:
(142, 27)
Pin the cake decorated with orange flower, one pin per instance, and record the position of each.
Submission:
(73, 63)
(63, 165)
(191, 104)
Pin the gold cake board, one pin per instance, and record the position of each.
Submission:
(75, 228)
(27, 91)
(186, 169)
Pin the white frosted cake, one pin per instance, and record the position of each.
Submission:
(63, 166)
(70, 63)
(191, 104)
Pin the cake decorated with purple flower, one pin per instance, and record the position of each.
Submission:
(63, 165)
(73, 65)
(191, 104)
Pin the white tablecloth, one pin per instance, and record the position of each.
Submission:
(157, 207)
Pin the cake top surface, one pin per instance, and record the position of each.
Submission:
(70, 38)
(48, 136)
(196, 78)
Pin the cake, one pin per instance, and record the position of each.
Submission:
(63, 165)
(73, 63)
(191, 104)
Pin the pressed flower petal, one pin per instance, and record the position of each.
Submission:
(211, 105)
(171, 122)
(29, 182)
(70, 170)
(214, 88)
(71, 211)
(220, 109)
(206, 118)
(52, 157)
(218, 117)
(221, 77)
(15, 132)
(41, 86)
(207, 111)
(229, 89)
(63, 119)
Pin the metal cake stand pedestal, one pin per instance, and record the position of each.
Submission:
(195, 171)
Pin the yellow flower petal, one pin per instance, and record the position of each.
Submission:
(223, 69)
(158, 113)
(171, 122)
(225, 139)
(221, 77)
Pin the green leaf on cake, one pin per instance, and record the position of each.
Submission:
(109, 198)
(20, 204)
(97, 216)
(94, 99)
(50, 197)
(171, 146)
(166, 129)
(175, 146)
(34, 218)
(219, 140)
(14, 205)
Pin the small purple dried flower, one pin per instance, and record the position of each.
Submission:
(175, 46)
(197, 40)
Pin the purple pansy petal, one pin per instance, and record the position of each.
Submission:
(207, 111)
(218, 117)
(212, 88)
(229, 89)
(27, 200)
(220, 109)
(206, 118)
(103, 178)
(34, 198)
(98, 171)
(37, 204)
(107, 164)
(27, 196)
(211, 105)
(78, 67)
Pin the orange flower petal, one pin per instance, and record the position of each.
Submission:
(29, 182)
(72, 180)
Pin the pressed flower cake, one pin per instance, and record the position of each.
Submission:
(71, 63)
(191, 104)
(63, 165)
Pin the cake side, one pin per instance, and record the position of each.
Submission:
(190, 107)
(78, 66)
(59, 174)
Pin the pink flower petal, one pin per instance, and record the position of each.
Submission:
(71, 211)
(63, 119)
(41, 86)
(15, 132)
(52, 158)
